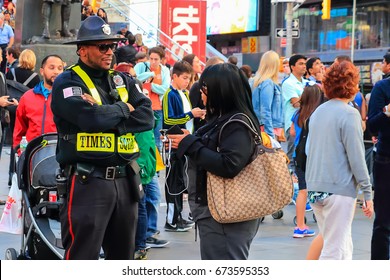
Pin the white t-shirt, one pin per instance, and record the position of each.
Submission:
(187, 108)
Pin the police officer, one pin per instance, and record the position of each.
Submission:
(96, 111)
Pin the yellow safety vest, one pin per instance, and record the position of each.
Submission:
(104, 142)
(122, 91)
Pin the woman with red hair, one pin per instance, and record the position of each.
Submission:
(335, 162)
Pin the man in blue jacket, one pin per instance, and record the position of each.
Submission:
(379, 124)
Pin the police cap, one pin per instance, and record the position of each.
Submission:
(94, 28)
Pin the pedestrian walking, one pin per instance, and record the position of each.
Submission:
(379, 124)
(334, 171)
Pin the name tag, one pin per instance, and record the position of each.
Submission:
(95, 142)
(127, 144)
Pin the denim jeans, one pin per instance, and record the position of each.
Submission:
(157, 128)
(380, 241)
(142, 226)
(152, 201)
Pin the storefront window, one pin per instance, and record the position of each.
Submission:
(372, 29)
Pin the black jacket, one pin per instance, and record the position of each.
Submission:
(196, 101)
(378, 122)
(22, 74)
(72, 114)
(235, 150)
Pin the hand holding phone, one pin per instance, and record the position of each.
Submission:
(174, 130)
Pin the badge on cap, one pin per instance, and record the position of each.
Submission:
(118, 81)
(106, 29)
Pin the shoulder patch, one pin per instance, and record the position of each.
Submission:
(72, 91)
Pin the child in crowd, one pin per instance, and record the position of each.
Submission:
(177, 111)
(311, 98)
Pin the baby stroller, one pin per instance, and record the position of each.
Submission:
(36, 173)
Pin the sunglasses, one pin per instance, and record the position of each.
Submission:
(103, 48)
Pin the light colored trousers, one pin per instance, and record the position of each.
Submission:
(334, 216)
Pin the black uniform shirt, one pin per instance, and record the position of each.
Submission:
(72, 114)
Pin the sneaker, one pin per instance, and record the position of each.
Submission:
(308, 207)
(300, 233)
(186, 223)
(153, 242)
(140, 254)
(176, 227)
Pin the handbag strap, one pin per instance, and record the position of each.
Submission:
(251, 128)
(150, 70)
(30, 79)
(2, 77)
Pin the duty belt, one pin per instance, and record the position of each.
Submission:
(107, 173)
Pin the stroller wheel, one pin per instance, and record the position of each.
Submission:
(278, 214)
(10, 254)
(295, 220)
(261, 219)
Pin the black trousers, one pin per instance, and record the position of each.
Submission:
(380, 242)
(226, 241)
(99, 213)
(175, 186)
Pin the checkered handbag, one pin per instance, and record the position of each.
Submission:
(263, 187)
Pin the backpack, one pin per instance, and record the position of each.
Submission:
(16, 89)
(300, 154)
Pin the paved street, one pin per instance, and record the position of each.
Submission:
(273, 242)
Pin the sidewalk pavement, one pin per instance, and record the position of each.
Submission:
(273, 241)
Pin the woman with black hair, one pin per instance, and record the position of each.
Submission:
(226, 92)
(102, 13)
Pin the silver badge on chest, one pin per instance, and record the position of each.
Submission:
(118, 80)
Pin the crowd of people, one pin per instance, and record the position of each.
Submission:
(176, 111)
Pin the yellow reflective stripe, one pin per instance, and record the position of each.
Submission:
(127, 144)
(95, 142)
(88, 82)
(123, 94)
(122, 90)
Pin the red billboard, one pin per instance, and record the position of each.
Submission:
(185, 22)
